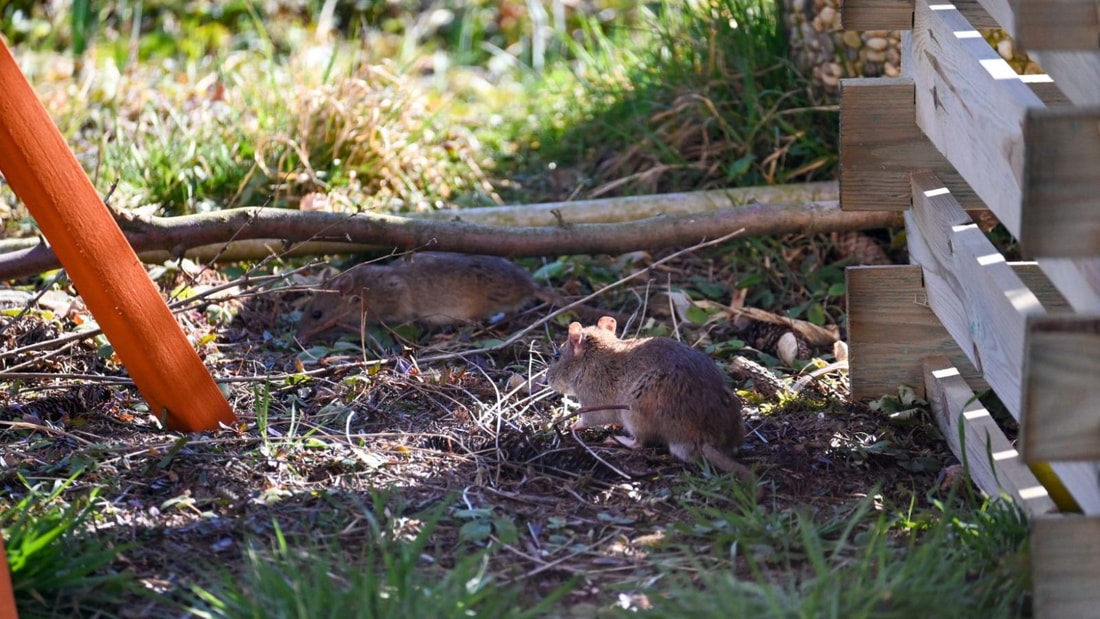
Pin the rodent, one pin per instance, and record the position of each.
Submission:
(434, 288)
(661, 391)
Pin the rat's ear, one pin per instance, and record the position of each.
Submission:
(576, 337)
(607, 323)
(344, 283)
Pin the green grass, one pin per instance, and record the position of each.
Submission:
(959, 557)
(56, 565)
(956, 558)
(397, 576)
(701, 99)
(681, 97)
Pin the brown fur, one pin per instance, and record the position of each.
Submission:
(434, 288)
(672, 394)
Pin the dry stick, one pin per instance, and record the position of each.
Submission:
(175, 306)
(519, 334)
(36, 360)
(460, 236)
(547, 565)
(33, 300)
(47, 429)
(595, 455)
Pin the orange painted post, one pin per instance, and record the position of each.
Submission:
(43, 172)
(7, 592)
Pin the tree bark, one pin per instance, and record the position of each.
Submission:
(550, 232)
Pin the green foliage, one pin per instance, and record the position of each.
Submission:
(54, 562)
(393, 578)
(482, 523)
(800, 277)
(904, 406)
(857, 561)
(709, 102)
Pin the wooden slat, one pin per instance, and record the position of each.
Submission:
(876, 14)
(1065, 567)
(973, 291)
(1062, 171)
(898, 14)
(974, 108)
(890, 329)
(1054, 302)
(975, 12)
(1056, 24)
(977, 441)
(1062, 420)
(973, 118)
(1076, 278)
(927, 232)
(984, 290)
(1077, 74)
(880, 144)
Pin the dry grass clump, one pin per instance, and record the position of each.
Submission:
(247, 128)
(376, 135)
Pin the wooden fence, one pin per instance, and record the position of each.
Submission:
(961, 131)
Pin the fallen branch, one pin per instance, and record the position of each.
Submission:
(173, 237)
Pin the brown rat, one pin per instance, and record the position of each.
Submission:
(669, 394)
(435, 288)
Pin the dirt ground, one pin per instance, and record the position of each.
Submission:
(317, 435)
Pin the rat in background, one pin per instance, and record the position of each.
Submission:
(660, 391)
(433, 288)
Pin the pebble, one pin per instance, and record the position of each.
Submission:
(873, 56)
(878, 44)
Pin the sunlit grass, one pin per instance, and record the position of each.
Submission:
(954, 558)
(707, 102)
(57, 566)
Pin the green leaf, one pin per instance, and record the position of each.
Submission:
(697, 315)
(475, 531)
(506, 530)
(816, 314)
(550, 270)
(748, 281)
(710, 289)
(740, 167)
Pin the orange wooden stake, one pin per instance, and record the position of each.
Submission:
(43, 172)
(7, 592)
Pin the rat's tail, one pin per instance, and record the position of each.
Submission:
(724, 462)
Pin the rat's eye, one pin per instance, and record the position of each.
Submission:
(316, 314)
